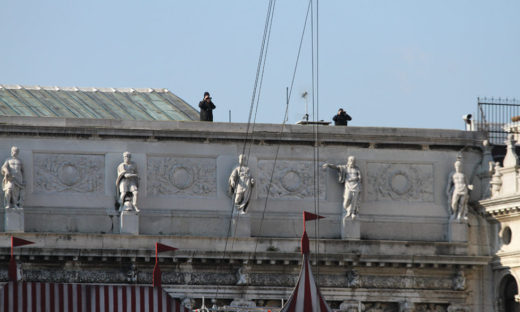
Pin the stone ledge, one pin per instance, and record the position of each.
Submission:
(145, 243)
(330, 294)
(260, 258)
(266, 133)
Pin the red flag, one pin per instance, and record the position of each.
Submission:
(156, 270)
(162, 247)
(307, 216)
(16, 242)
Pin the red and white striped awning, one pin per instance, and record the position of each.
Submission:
(53, 297)
(306, 296)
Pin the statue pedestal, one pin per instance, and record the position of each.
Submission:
(241, 226)
(14, 221)
(350, 228)
(129, 223)
(457, 231)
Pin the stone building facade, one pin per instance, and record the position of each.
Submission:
(403, 251)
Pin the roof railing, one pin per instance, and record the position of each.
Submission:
(493, 115)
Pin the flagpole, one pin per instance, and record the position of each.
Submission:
(156, 270)
(156, 256)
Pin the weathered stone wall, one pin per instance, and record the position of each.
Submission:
(405, 257)
(71, 171)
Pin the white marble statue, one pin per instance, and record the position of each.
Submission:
(127, 184)
(496, 181)
(242, 277)
(458, 193)
(241, 184)
(485, 170)
(350, 175)
(511, 159)
(13, 184)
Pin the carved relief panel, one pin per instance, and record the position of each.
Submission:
(381, 307)
(182, 176)
(400, 182)
(431, 307)
(404, 282)
(70, 173)
(291, 179)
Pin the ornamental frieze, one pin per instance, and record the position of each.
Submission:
(69, 173)
(400, 182)
(433, 307)
(182, 176)
(381, 306)
(405, 282)
(291, 179)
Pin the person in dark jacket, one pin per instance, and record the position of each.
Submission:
(341, 118)
(206, 108)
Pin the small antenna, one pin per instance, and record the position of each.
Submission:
(229, 115)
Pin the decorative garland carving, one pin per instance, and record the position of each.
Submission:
(410, 182)
(73, 173)
(291, 179)
(182, 176)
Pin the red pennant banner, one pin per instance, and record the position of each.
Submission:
(156, 270)
(308, 216)
(162, 247)
(17, 242)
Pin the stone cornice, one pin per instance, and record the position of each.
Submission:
(501, 207)
(270, 258)
(506, 260)
(103, 243)
(264, 133)
(114, 248)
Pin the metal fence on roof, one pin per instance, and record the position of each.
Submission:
(493, 115)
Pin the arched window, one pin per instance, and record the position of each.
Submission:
(508, 290)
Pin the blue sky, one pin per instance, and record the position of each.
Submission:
(419, 64)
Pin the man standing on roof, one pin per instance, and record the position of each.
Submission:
(341, 118)
(206, 108)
